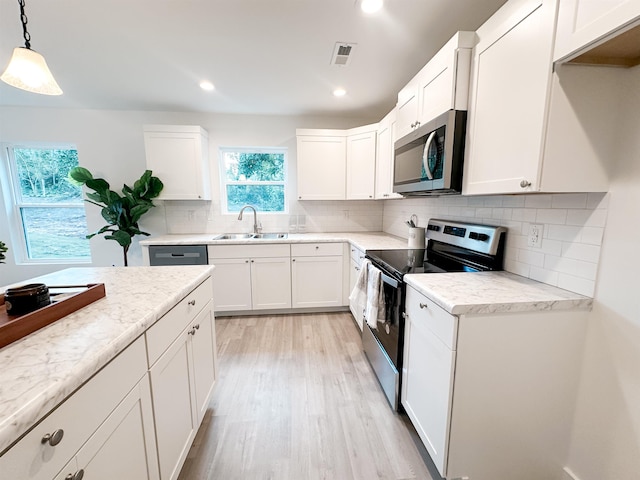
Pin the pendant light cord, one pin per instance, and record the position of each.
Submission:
(23, 19)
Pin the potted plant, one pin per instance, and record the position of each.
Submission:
(122, 212)
(3, 250)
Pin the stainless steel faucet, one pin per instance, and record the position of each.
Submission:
(256, 229)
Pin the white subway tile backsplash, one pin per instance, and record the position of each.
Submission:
(573, 227)
(569, 200)
(575, 284)
(551, 215)
(565, 233)
(587, 218)
(538, 201)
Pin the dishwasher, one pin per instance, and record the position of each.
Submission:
(177, 255)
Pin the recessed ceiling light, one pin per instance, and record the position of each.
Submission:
(371, 6)
(339, 92)
(208, 86)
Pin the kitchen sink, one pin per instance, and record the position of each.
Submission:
(250, 236)
(269, 235)
(234, 236)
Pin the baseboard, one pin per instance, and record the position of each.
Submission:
(568, 474)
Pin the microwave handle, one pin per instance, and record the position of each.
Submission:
(425, 155)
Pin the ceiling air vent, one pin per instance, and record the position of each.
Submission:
(342, 54)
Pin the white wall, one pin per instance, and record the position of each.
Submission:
(606, 434)
(110, 144)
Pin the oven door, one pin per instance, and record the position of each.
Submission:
(383, 345)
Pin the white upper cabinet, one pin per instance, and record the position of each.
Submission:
(322, 164)
(598, 32)
(441, 85)
(529, 129)
(179, 156)
(384, 157)
(361, 163)
(336, 164)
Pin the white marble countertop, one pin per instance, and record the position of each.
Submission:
(361, 240)
(490, 292)
(42, 369)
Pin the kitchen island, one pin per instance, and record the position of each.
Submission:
(145, 310)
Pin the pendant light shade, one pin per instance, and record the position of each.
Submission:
(28, 70)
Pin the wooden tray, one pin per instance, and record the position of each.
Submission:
(14, 327)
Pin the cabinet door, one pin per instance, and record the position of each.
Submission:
(407, 108)
(203, 343)
(316, 282)
(322, 164)
(124, 446)
(180, 159)
(361, 166)
(271, 283)
(582, 23)
(231, 284)
(172, 383)
(510, 84)
(384, 158)
(427, 383)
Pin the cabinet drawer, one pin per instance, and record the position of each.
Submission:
(356, 255)
(79, 417)
(165, 330)
(441, 323)
(249, 251)
(315, 249)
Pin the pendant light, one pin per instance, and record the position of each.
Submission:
(28, 69)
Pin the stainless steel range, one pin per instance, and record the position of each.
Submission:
(452, 247)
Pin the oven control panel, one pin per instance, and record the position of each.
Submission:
(480, 238)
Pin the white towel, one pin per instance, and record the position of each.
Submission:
(375, 308)
(359, 293)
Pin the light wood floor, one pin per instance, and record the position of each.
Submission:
(296, 399)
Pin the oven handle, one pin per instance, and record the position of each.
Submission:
(389, 280)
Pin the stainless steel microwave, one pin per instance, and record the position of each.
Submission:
(428, 161)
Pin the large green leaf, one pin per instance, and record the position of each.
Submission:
(123, 238)
(79, 175)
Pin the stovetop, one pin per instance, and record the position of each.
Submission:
(403, 261)
(451, 247)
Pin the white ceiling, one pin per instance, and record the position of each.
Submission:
(263, 56)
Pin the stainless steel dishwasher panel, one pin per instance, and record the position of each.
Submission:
(177, 255)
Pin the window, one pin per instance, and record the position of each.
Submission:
(253, 176)
(48, 210)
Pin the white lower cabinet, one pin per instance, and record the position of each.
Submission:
(136, 418)
(123, 446)
(491, 395)
(181, 382)
(316, 275)
(251, 277)
(80, 428)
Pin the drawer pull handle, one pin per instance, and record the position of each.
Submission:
(54, 438)
(75, 476)
(192, 303)
(197, 326)
(192, 331)
(423, 305)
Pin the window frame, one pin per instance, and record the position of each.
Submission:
(224, 207)
(15, 203)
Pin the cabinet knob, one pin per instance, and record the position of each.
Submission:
(192, 331)
(197, 326)
(525, 184)
(54, 438)
(413, 125)
(300, 198)
(79, 475)
(357, 269)
(317, 248)
(423, 305)
(404, 315)
(370, 196)
(192, 303)
(385, 194)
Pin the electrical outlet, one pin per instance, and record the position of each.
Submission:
(535, 235)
